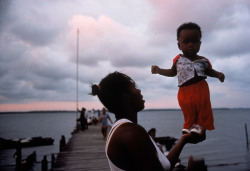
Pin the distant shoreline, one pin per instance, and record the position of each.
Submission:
(71, 111)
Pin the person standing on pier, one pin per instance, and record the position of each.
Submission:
(128, 146)
(83, 120)
(103, 118)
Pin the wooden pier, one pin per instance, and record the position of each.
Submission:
(84, 151)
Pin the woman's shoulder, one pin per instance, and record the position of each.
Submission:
(130, 130)
(129, 126)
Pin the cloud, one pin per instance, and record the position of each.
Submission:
(33, 34)
(232, 19)
(4, 13)
(103, 39)
(38, 45)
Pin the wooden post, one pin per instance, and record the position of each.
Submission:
(18, 155)
(246, 135)
(52, 161)
(44, 164)
(62, 143)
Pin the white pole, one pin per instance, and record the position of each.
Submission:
(77, 48)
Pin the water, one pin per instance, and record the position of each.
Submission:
(52, 125)
(224, 148)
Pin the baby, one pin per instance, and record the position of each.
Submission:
(192, 70)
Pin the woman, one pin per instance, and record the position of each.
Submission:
(128, 146)
(103, 118)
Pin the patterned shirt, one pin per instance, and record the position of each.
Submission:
(186, 69)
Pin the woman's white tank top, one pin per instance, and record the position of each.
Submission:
(162, 158)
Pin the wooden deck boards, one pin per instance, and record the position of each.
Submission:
(84, 151)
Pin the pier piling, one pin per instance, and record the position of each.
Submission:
(246, 136)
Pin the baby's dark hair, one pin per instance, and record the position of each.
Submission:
(188, 26)
(111, 89)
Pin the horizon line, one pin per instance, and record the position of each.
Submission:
(150, 109)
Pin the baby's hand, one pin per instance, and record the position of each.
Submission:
(155, 69)
(221, 76)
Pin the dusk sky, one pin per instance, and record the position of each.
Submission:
(38, 49)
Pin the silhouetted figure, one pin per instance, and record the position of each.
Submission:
(83, 120)
(152, 133)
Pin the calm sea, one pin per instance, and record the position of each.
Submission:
(225, 148)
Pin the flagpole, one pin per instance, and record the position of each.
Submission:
(77, 59)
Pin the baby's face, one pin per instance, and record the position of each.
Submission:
(189, 42)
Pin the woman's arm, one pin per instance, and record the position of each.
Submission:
(174, 154)
(110, 119)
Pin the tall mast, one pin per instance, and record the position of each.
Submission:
(77, 59)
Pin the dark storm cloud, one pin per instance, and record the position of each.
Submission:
(35, 35)
(4, 13)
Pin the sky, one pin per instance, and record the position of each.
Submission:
(38, 50)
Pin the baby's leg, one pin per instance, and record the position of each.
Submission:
(186, 102)
(205, 113)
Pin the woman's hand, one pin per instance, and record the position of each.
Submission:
(194, 139)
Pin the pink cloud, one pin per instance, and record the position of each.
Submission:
(103, 39)
(93, 30)
(43, 106)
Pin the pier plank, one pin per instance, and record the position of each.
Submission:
(84, 151)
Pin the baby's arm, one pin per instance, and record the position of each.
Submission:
(216, 74)
(165, 72)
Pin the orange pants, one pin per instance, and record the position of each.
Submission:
(195, 104)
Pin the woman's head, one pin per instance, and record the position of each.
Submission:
(113, 91)
(103, 111)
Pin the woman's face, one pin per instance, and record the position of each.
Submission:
(136, 99)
